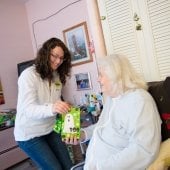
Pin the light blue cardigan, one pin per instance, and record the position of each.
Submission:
(127, 135)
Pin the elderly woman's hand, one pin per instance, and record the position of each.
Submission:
(73, 139)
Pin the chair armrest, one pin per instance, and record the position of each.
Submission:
(162, 162)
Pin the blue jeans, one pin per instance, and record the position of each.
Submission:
(48, 152)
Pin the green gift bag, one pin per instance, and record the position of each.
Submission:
(68, 124)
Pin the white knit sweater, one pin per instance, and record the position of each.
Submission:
(34, 108)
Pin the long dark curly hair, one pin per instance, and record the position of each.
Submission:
(42, 61)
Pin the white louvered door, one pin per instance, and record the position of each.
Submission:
(159, 15)
(149, 48)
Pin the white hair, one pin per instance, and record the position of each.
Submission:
(119, 70)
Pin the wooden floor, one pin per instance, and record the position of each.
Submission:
(25, 165)
(30, 165)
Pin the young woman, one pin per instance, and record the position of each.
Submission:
(39, 101)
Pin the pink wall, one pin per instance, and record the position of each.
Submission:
(50, 20)
(15, 46)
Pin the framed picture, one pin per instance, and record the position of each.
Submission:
(2, 100)
(83, 81)
(77, 41)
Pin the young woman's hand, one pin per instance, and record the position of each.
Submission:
(61, 107)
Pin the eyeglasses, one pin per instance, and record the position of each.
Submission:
(56, 57)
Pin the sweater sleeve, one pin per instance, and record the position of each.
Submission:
(89, 132)
(28, 101)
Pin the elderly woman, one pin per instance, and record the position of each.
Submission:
(128, 133)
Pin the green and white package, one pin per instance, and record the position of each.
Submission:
(68, 124)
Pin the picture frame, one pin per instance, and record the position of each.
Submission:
(2, 100)
(83, 81)
(77, 40)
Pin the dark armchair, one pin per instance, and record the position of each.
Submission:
(161, 93)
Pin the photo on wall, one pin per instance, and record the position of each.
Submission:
(83, 81)
(77, 41)
(2, 100)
